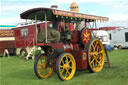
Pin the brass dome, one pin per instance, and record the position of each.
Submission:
(74, 7)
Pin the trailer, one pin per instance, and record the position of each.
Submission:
(7, 41)
(118, 38)
(25, 36)
(103, 36)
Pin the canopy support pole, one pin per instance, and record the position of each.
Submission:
(89, 25)
(93, 25)
(36, 26)
(46, 30)
(85, 23)
(63, 23)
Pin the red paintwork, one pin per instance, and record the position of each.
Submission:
(67, 48)
(70, 26)
(25, 41)
(29, 40)
(53, 45)
(74, 49)
(77, 52)
(74, 36)
(84, 59)
(9, 45)
(108, 28)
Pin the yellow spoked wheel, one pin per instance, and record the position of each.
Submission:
(65, 66)
(95, 55)
(42, 66)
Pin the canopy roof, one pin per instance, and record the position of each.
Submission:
(40, 13)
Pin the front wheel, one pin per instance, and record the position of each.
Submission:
(66, 66)
(43, 67)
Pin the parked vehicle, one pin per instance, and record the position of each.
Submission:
(103, 36)
(7, 41)
(118, 38)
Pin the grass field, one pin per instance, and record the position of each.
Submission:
(15, 71)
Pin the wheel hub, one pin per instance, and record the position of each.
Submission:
(43, 66)
(97, 54)
(66, 66)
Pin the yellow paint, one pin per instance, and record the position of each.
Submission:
(67, 67)
(96, 55)
(43, 69)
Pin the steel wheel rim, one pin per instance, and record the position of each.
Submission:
(43, 70)
(96, 56)
(67, 67)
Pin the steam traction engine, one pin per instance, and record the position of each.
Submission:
(77, 50)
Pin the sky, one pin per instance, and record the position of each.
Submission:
(115, 10)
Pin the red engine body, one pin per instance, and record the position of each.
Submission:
(73, 47)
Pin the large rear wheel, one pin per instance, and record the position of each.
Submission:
(43, 67)
(95, 55)
(65, 66)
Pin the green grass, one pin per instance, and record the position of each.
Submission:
(15, 71)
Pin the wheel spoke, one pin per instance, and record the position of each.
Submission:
(41, 61)
(93, 47)
(39, 65)
(92, 61)
(63, 62)
(66, 74)
(92, 57)
(69, 61)
(70, 67)
(91, 53)
(96, 44)
(45, 70)
(61, 66)
(62, 71)
(40, 70)
(98, 63)
(66, 60)
(97, 48)
(92, 64)
(100, 52)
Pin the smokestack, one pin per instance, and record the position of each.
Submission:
(54, 6)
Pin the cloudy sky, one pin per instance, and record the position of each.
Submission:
(116, 10)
